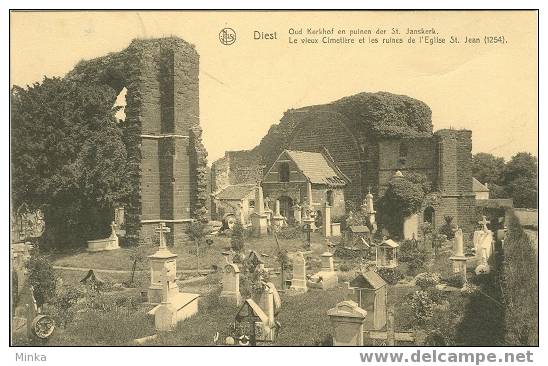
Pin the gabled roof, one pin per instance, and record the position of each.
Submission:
(389, 243)
(359, 229)
(317, 168)
(250, 309)
(478, 187)
(369, 279)
(235, 192)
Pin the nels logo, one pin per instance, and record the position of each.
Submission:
(227, 36)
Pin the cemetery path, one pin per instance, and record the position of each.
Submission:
(82, 269)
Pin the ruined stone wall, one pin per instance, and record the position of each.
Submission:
(162, 131)
(455, 176)
(421, 158)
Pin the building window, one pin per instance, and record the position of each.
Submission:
(404, 149)
(329, 198)
(429, 216)
(284, 172)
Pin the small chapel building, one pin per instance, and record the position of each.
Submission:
(305, 178)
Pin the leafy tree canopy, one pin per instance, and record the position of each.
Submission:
(488, 168)
(68, 157)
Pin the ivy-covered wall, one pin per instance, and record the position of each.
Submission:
(169, 173)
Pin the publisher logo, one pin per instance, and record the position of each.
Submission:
(227, 36)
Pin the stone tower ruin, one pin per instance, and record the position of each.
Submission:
(162, 132)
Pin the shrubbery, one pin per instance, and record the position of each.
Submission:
(410, 253)
(520, 287)
(390, 275)
(42, 278)
(427, 280)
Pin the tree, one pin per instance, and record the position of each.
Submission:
(237, 240)
(68, 158)
(520, 177)
(42, 278)
(197, 232)
(401, 199)
(488, 168)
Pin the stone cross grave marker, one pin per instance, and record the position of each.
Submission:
(484, 223)
(161, 230)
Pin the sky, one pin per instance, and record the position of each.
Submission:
(246, 87)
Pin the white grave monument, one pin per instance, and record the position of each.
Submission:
(458, 259)
(483, 239)
(347, 319)
(277, 219)
(109, 243)
(326, 213)
(298, 283)
(326, 278)
(174, 306)
(259, 218)
(231, 283)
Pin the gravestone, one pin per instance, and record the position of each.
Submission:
(483, 267)
(326, 278)
(483, 239)
(347, 320)
(370, 292)
(174, 306)
(259, 217)
(277, 219)
(298, 283)
(231, 284)
(20, 256)
(297, 214)
(326, 213)
(110, 243)
(458, 258)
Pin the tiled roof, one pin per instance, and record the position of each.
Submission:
(359, 229)
(389, 243)
(478, 187)
(369, 279)
(496, 203)
(316, 168)
(235, 192)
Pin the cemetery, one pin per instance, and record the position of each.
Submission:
(333, 231)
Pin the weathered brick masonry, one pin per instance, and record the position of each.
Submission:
(163, 135)
(371, 136)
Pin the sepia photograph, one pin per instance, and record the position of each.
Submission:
(274, 178)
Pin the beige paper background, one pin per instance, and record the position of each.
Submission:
(246, 87)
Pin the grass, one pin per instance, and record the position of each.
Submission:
(120, 259)
(303, 317)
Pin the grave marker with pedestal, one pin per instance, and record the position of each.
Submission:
(231, 283)
(347, 320)
(174, 306)
(298, 283)
(259, 217)
(326, 213)
(458, 258)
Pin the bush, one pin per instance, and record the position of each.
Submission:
(290, 232)
(426, 280)
(422, 306)
(42, 278)
(520, 286)
(390, 275)
(410, 253)
(455, 280)
(63, 305)
(448, 227)
(237, 240)
(344, 267)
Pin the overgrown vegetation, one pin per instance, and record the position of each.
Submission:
(68, 158)
(402, 198)
(520, 287)
(516, 179)
(42, 278)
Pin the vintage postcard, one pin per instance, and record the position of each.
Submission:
(275, 178)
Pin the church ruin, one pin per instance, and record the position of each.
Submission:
(371, 137)
(162, 131)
